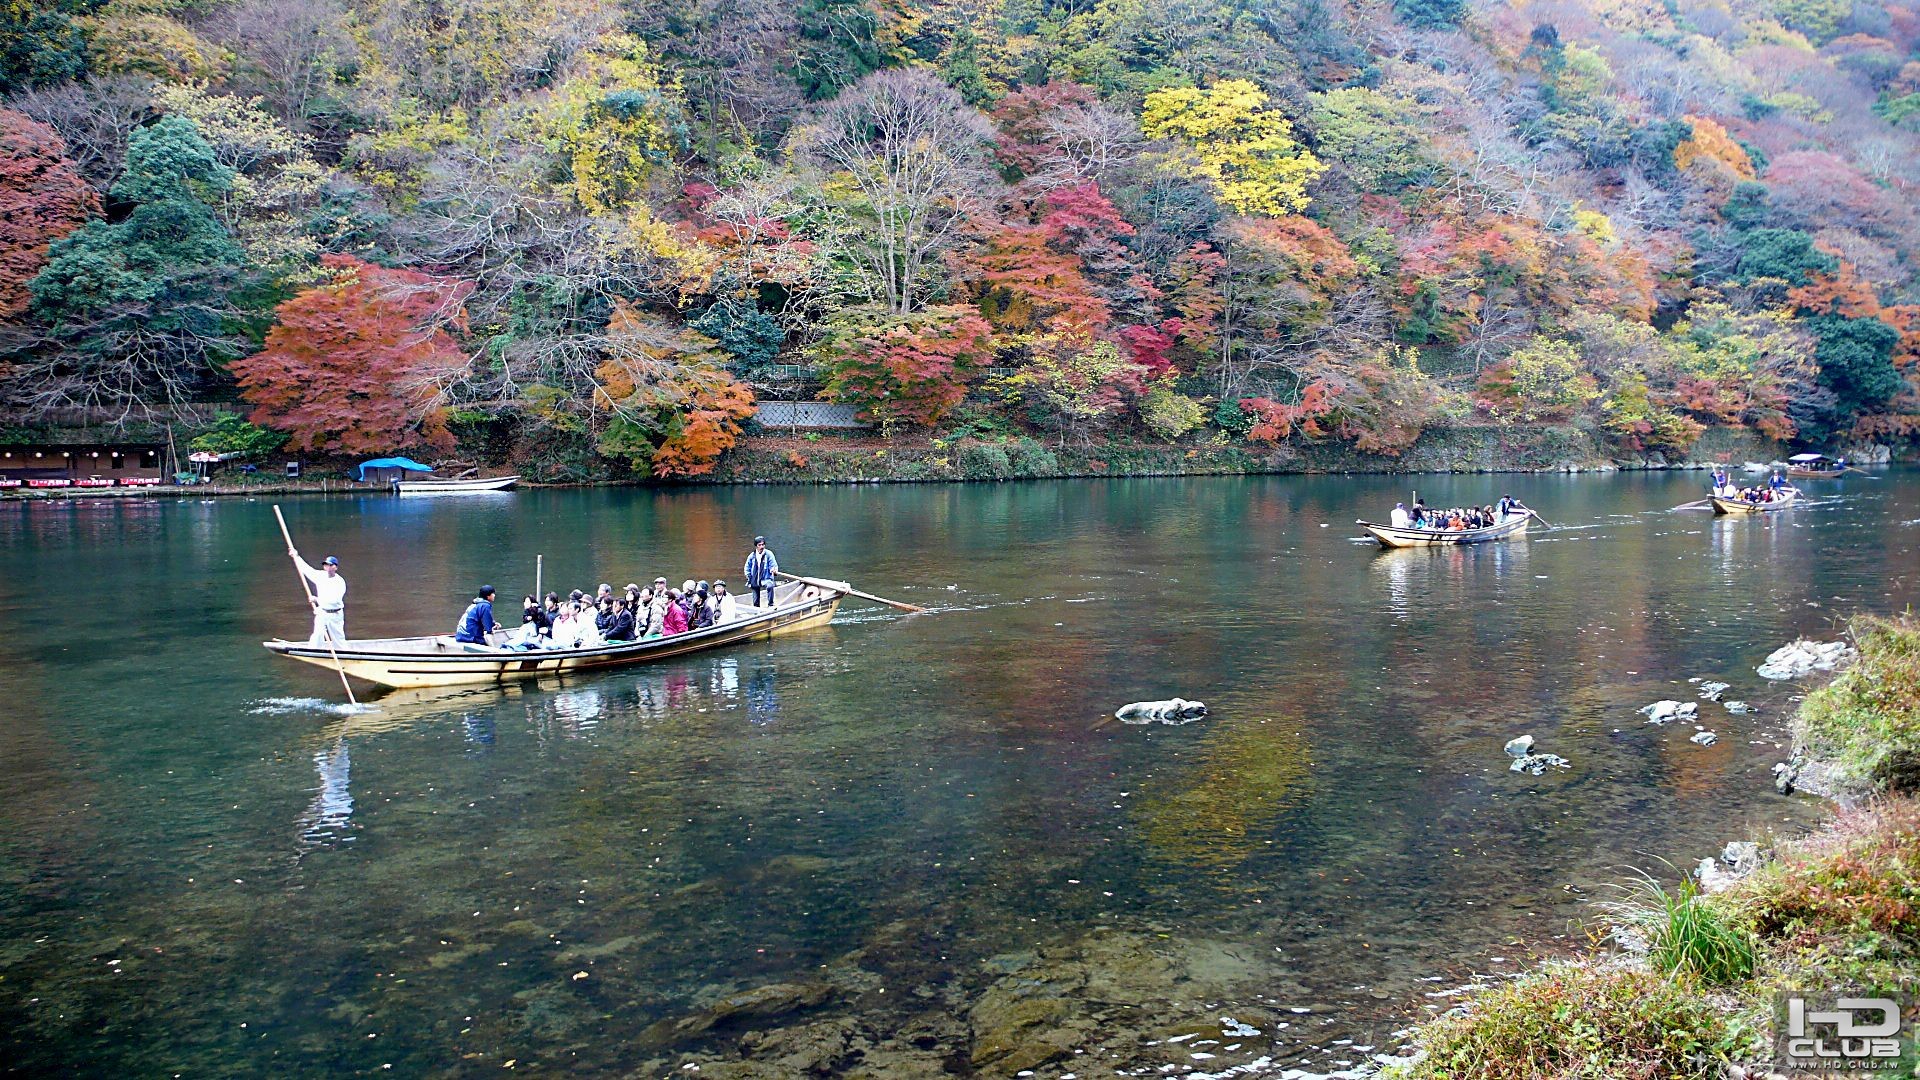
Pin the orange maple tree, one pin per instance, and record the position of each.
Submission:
(360, 363)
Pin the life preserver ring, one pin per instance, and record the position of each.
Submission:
(809, 593)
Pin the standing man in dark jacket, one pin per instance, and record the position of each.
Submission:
(477, 622)
(762, 569)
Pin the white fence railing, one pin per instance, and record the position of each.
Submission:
(807, 414)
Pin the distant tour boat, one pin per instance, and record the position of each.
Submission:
(438, 660)
(466, 486)
(1815, 466)
(1392, 536)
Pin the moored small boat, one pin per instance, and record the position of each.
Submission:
(1748, 506)
(438, 660)
(1392, 536)
(466, 486)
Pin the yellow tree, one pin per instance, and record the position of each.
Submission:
(618, 120)
(1246, 150)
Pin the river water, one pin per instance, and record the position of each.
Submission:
(923, 831)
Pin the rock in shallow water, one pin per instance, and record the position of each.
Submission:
(1737, 707)
(1704, 738)
(1711, 691)
(1804, 657)
(1661, 712)
(1519, 747)
(774, 999)
(1537, 764)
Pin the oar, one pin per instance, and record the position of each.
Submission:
(306, 589)
(1697, 504)
(1541, 520)
(841, 586)
(1862, 472)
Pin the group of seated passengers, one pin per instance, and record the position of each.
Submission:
(634, 614)
(1471, 517)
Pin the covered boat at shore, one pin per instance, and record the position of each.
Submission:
(1816, 467)
(1787, 498)
(1392, 536)
(438, 660)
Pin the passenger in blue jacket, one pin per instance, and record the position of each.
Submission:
(478, 622)
(762, 569)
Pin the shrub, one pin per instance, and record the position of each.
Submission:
(983, 461)
(232, 435)
(1029, 458)
(1576, 1021)
(1168, 413)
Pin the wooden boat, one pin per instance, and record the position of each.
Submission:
(1393, 537)
(1742, 506)
(455, 487)
(438, 660)
(1815, 466)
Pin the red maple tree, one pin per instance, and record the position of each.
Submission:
(913, 370)
(360, 364)
(42, 198)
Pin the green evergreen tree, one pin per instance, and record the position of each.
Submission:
(139, 306)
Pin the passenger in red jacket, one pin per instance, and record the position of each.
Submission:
(675, 621)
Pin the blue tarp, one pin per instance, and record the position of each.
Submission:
(360, 472)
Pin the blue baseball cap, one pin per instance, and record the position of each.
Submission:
(329, 561)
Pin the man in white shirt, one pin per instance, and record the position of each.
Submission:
(329, 599)
(1400, 519)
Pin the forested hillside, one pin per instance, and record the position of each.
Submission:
(585, 234)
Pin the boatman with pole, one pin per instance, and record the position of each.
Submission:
(329, 598)
(477, 621)
(762, 570)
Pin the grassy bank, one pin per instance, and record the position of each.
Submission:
(1863, 729)
(1693, 990)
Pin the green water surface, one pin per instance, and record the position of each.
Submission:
(206, 868)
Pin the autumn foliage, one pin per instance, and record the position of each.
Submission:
(42, 198)
(360, 364)
(909, 369)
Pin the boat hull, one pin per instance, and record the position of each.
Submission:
(1741, 506)
(406, 663)
(1392, 537)
(1816, 474)
(454, 487)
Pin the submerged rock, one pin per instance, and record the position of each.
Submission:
(1537, 764)
(1661, 712)
(1519, 747)
(1704, 738)
(774, 999)
(1804, 657)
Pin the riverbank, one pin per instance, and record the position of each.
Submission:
(815, 458)
(820, 458)
(1691, 981)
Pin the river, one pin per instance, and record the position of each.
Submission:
(924, 831)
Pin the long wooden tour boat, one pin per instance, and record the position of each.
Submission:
(438, 660)
(1393, 537)
(466, 486)
(1743, 506)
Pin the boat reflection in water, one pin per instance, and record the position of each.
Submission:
(1417, 580)
(328, 819)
